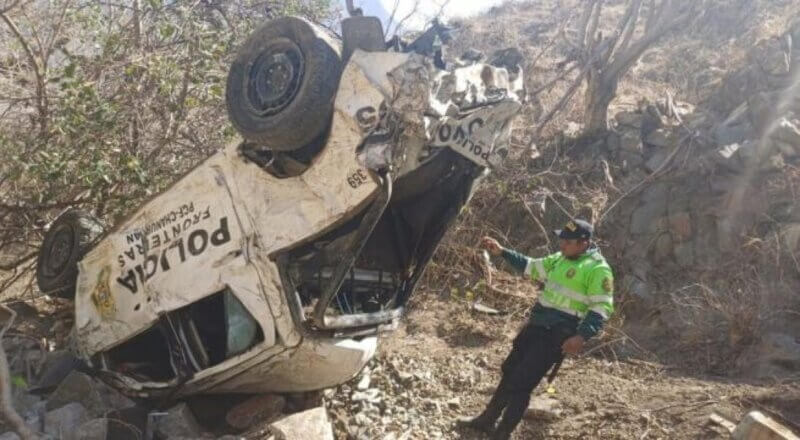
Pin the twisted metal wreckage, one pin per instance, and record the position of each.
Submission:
(268, 270)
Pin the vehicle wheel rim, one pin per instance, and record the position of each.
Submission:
(274, 78)
(60, 251)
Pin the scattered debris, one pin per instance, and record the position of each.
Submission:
(363, 383)
(478, 307)
(722, 421)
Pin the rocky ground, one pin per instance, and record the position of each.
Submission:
(445, 363)
(442, 363)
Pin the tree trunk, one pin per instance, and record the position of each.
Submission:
(600, 91)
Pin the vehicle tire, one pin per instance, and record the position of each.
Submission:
(282, 84)
(65, 243)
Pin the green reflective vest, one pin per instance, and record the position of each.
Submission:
(575, 287)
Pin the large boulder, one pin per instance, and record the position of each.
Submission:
(772, 56)
(631, 142)
(731, 134)
(126, 424)
(776, 355)
(647, 217)
(662, 138)
(95, 429)
(657, 160)
(307, 425)
(254, 410)
(629, 119)
(179, 422)
(790, 236)
(97, 397)
(62, 423)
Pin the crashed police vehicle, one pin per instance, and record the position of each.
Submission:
(273, 265)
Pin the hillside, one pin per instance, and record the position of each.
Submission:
(693, 189)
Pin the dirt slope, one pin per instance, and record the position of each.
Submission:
(445, 362)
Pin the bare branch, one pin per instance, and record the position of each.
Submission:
(137, 26)
(16, 276)
(655, 174)
(651, 14)
(656, 16)
(15, 264)
(550, 83)
(391, 18)
(628, 25)
(9, 6)
(572, 89)
(560, 105)
(46, 53)
(34, 33)
(174, 119)
(440, 12)
(22, 208)
(403, 20)
(609, 43)
(592, 36)
(34, 64)
(625, 60)
(547, 46)
(576, 49)
(583, 24)
(6, 405)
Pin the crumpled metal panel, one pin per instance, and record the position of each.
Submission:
(468, 109)
(476, 105)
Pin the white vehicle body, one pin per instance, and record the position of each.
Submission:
(194, 292)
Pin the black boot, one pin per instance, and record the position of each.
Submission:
(501, 433)
(486, 420)
(517, 405)
(480, 423)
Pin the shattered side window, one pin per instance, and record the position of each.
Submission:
(187, 340)
(242, 327)
(224, 325)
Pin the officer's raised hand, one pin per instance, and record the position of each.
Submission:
(492, 245)
(573, 345)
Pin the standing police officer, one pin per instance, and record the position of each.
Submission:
(575, 300)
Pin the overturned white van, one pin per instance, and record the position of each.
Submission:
(275, 263)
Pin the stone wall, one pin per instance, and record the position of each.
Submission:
(711, 216)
